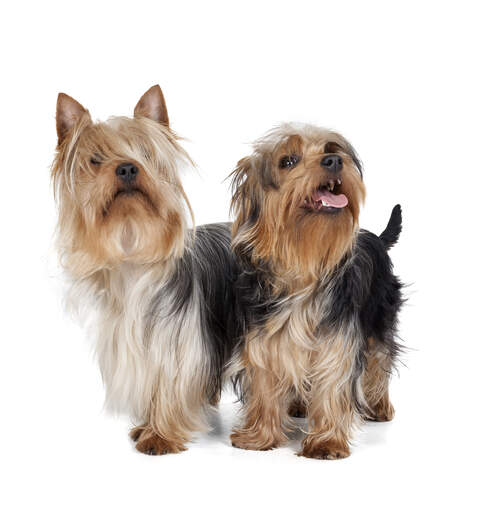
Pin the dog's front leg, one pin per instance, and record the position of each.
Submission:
(177, 409)
(331, 411)
(330, 417)
(162, 433)
(266, 411)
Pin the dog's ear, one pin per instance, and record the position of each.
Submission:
(247, 192)
(355, 157)
(68, 113)
(152, 105)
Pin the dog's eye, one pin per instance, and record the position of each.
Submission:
(288, 162)
(332, 147)
(96, 159)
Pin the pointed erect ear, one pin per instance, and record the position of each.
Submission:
(68, 113)
(152, 105)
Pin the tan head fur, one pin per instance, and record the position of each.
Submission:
(105, 219)
(278, 219)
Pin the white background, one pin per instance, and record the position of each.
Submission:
(417, 87)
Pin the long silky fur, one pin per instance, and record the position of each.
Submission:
(164, 331)
(156, 295)
(311, 330)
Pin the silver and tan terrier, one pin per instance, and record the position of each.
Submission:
(149, 284)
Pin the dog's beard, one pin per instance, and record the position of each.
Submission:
(314, 243)
(144, 238)
(296, 240)
(133, 234)
(128, 238)
(131, 220)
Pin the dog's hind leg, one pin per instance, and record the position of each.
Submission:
(375, 384)
(297, 408)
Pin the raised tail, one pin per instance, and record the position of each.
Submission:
(391, 234)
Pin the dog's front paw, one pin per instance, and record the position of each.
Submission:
(151, 443)
(254, 440)
(327, 450)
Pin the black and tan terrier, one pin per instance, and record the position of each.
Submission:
(319, 295)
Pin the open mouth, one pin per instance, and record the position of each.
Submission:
(327, 198)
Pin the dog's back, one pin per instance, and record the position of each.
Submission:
(215, 272)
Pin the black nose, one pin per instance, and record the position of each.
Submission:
(127, 172)
(332, 163)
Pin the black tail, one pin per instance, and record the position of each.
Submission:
(391, 234)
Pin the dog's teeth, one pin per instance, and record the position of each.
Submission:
(331, 185)
(338, 181)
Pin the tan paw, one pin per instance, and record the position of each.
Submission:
(326, 450)
(383, 411)
(252, 440)
(151, 443)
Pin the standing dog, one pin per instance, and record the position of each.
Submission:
(319, 295)
(162, 293)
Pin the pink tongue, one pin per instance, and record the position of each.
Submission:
(336, 201)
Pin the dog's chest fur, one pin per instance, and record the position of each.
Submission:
(293, 342)
(141, 348)
(304, 335)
